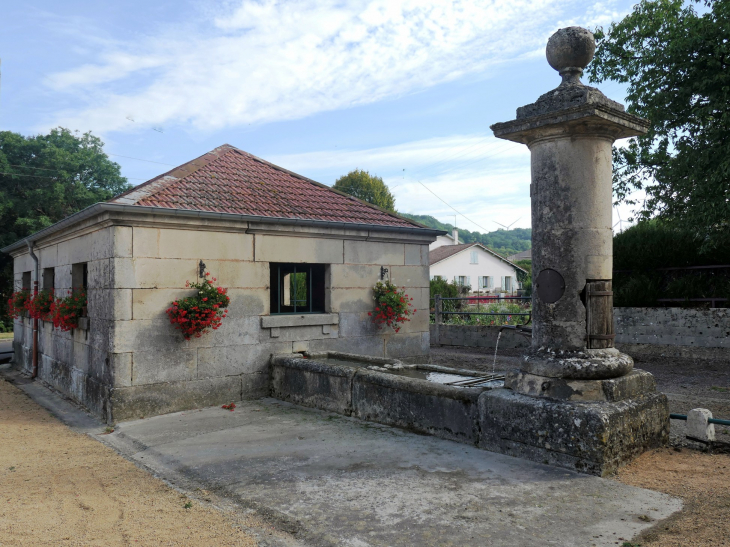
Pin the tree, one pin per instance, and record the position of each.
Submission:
(503, 242)
(367, 187)
(677, 66)
(525, 279)
(45, 178)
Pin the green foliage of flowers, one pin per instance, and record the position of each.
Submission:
(392, 306)
(194, 315)
(40, 306)
(66, 311)
(17, 302)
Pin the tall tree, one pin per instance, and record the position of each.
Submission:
(45, 178)
(367, 187)
(676, 63)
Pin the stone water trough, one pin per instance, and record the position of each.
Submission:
(588, 437)
(415, 397)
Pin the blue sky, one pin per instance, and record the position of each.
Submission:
(405, 89)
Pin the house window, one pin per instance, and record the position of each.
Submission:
(48, 279)
(508, 284)
(26, 281)
(462, 280)
(474, 257)
(80, 276)
(487, 282)
(297, 288)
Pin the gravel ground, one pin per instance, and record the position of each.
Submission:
(688, 470)
(62, 488)
(701, 480)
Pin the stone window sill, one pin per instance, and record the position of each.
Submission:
(304, 320)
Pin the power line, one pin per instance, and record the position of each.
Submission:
(48, 178)
(449, 205)
(496, 152)
(140, 159)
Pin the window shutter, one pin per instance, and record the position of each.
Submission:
(501, 286)
(468, 280)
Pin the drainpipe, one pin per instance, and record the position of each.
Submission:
(35, 321)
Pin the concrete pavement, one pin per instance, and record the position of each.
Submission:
(332, 480)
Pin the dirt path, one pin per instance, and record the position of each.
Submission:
(702, 480)
(58, 487)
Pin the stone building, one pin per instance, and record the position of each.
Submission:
(250, 224)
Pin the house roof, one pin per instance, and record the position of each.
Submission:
(446, 251)
(229, 180)
(523, 255)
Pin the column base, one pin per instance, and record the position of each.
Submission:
(587, 364)
(589, 437)
(635, 384)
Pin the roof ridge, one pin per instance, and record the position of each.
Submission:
(160, 182)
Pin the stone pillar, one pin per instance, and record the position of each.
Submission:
(575, 401)
(570, 132)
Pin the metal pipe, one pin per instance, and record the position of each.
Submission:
(710, 420)
(35, 320)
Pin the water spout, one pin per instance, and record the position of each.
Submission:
(496, 347)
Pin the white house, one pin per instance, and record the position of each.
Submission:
(445, 239)
(475, 265)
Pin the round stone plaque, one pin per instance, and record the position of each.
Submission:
(550, 286)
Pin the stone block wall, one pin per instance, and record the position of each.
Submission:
(670, 331)
(77, 363)
(132, 362)
(675, 331)
(476, 336)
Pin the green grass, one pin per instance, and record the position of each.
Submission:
(6, 335)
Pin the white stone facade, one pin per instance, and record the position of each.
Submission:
(131, 362)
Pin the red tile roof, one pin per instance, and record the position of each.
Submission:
(229, 180)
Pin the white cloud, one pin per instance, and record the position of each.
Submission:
(270, 60)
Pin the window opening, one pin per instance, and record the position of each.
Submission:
(26, 281)
(80, 276)
(297, 288)
(48, 279)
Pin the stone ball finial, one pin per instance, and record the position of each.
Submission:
(569, 51)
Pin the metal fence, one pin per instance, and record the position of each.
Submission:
(480, 309)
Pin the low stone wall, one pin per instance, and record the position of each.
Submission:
(667, 331)
(674, 331)
(476, 336)
(424, 407)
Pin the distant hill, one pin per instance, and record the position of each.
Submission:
(504, 242)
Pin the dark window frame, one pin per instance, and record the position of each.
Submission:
(26, 281)
(49, 279)
(316, 298)
(80, 272)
